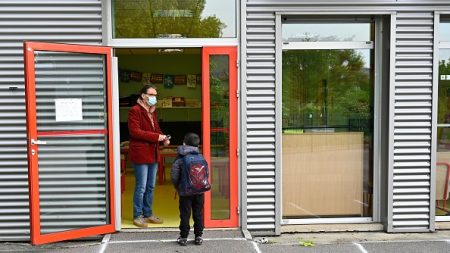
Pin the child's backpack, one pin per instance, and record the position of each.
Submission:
(194, 175)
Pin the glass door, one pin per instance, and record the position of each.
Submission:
(69, 123)
(219, 123)
(327, 120)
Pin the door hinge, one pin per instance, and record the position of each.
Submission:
(238, 94)
(237, 152)
(237, 210)
(237, 63)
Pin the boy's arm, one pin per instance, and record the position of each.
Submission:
(175, 172)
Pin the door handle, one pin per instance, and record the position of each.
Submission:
(37, 142)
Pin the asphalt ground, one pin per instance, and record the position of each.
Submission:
(233, 241)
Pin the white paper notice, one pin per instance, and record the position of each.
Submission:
(68, 109)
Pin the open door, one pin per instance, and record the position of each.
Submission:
(70, 142)
(219, 123)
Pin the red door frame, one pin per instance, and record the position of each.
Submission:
(231, 52)
(32, 133)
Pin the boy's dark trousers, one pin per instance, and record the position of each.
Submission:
(194, 203)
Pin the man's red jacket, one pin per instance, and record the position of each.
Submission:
(144, 145)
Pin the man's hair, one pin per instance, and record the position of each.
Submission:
(191, 139)
(146, 87)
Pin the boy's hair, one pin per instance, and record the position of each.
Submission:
(191, 139)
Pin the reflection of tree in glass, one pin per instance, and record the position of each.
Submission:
(443, 133)
(219, 90)
(164, 18)
(325, 88)
(444, 93)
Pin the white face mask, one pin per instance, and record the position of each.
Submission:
(152, 100)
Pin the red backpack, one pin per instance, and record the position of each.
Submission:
(194, 175)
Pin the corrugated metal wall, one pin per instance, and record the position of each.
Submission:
(260, 109)
(69, 21)
(410, 203)
(412, 113)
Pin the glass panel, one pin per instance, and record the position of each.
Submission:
(73, 178)
(174, 18)
(327, 32)
(327, 133)
(443, 135)
(444, 31)
(70, 91)
(220, 125)
(73, 174)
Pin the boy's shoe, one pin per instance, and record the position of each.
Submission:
(198, 240)
(153, 219)
(140, 222)
(182, 241)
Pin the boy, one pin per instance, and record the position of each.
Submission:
(189, 175)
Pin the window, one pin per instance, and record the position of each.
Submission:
(174, 18)
(327, 119)
(443, 123)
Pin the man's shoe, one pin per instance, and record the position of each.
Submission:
(198, 240)
(153, 219)
(140, 222)
(182, 241)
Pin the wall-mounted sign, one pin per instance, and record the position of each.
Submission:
(68, 109)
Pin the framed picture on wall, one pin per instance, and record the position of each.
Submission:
(180, 79)
(157, 78)
(169, 80)
(124, 75)
(146, 78)
(191, 81)
(135, 76)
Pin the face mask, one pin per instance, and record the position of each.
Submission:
(151, 100)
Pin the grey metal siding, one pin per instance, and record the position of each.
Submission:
(408, 204)
(68, 21)
(412, 119)
(260, 121)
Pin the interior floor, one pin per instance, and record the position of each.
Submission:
(165, 201)
(165, 206)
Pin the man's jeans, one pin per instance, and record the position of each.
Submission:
(145, 175)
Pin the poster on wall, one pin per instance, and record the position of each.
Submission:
(68, 109)
(157, 78)
(169, 81)
(124, 75)
(146, 78)
(191, 81)
(180, 79)
(135, 76)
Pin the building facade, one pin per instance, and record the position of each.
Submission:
(341, 109)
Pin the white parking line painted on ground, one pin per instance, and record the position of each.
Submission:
(104, 244)
(255, 246)
(174, 240)
(360, 247)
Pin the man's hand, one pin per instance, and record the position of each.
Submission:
(162, 137)
(166, 142)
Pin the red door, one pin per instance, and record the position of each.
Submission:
(219, 128)
(70, 142)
